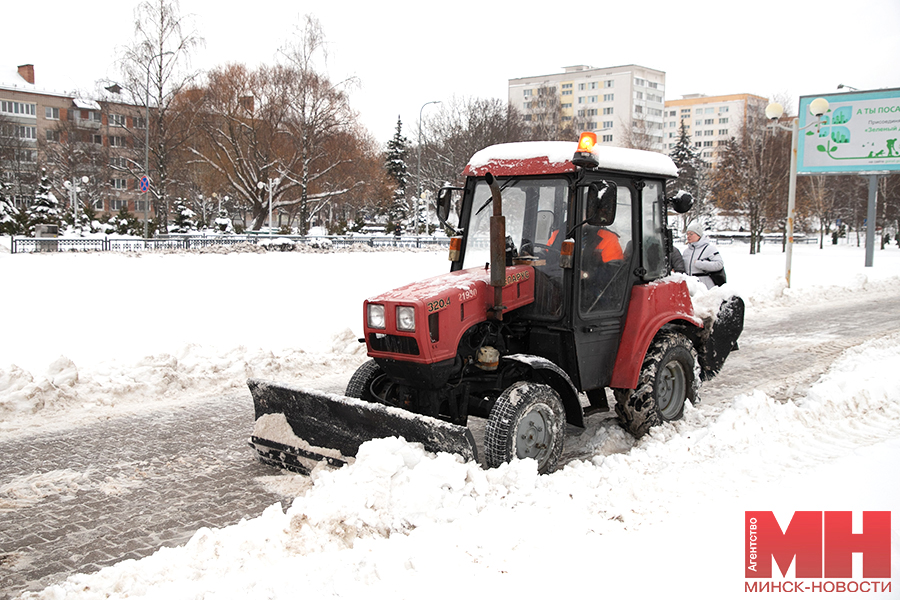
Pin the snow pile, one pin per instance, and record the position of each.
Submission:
(399, 516)
(26, 400)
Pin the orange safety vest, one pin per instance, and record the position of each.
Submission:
(609, 246)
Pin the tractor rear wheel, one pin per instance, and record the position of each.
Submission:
(669, 377)
(527, 421)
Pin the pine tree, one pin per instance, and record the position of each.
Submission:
(45, 208)
(692, 171)
(185, 221)
(395, 165)
(8, 222)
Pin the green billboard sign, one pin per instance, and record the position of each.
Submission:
(860, 133)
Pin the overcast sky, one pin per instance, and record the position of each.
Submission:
(409, 52)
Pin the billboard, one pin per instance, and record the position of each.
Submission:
(860, 133)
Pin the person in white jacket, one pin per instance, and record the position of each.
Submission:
(701, 256)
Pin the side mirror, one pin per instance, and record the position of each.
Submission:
(682, 202)
(445, 204)
(601, 203)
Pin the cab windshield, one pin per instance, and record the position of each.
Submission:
(536, 213)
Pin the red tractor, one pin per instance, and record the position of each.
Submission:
(558, 290)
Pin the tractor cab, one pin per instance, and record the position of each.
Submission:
(590, 233)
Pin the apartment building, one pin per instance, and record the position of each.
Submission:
(710, 120)
(624, 105)
(42, 128)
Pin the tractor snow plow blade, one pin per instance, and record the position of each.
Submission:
(296, 428)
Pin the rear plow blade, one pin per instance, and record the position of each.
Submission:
(330, 428)
(721, 338)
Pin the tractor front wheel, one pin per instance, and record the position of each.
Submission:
(527, 421)
(669, 377)
(369, 383)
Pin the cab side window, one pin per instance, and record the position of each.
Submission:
(652, 231)
(605, 258)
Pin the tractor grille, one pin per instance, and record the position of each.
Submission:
(393, 343)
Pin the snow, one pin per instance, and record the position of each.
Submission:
(617, 159)
(93, 335)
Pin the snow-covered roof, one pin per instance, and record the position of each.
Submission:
(556, 157)
(86, 103)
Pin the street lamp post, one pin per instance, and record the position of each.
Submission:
(272, 183)
(73, 198)
(419, 163)
(774, 111)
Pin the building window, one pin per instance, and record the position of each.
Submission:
(527, 106)
(607, 138)
(26, 156)
(117, 120)
(118, 204)
(98, 204)
(139, 122)
(592, 125)
(723, 109)
(723, 132)
(118, 184)
(608, 110)
(639, 109)
(580, 99)
(723, 121)
(527, 94)
(707, 144)
(609, 83)
(52, 135)
(26, 132)
(141, 206)
(592, 99)
(96, 138)
(116, 141)
(566, 105)
(653, 85)
(51, 112)
(655, 112)
(567, 92)
(710, 110)
(709, 121)
(708, 132)
(567, 86)
(608, 97)
(94, 115)
(18, 108)
(638, 81)
(607, 124)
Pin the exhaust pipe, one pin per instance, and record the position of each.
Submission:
(498, 248)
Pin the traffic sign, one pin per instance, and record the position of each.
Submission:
(145, 183)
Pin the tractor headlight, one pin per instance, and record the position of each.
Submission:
(375, 316)
(406, 318)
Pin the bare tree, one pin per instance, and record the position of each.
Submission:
(318, 111)
(639, 134)
(462, 127)
(156, 73)
(751, 176)
(820, 202)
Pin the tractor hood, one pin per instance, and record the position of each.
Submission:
(424, 321)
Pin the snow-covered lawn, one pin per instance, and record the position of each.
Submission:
(88, 336)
